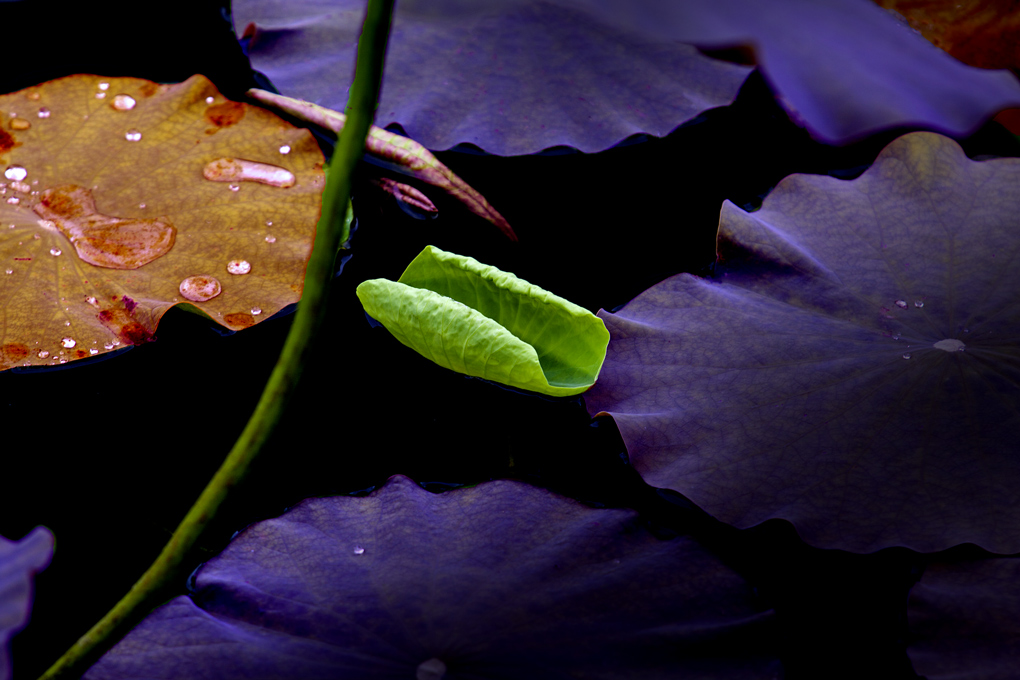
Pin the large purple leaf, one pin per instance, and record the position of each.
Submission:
(502, 580)
(964, 620)
(517, 76)
(854, 369)
(510, 76)
(845, 68)
(19, 562)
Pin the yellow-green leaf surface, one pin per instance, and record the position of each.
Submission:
(478, 320)
(122, 198)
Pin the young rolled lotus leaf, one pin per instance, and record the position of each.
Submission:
(502, 580)
(19, 562)
(478, 320)
(853, 368)
(964, 618)
(121, 198)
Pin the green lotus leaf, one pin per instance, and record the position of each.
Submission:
(478, 320)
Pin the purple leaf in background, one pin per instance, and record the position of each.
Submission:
(518, 76)
(19, 562)
(964, 620)
(845, 68)
(854, 369)
(502, 580)
(510, 76)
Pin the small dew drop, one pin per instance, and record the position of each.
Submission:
(43, 354)
(100, 95)
(68, 343)
(55, 251)
(108, 346)
(142, 206)
(13, 114)
(896, 336)
(63, 361)
(234, 187)
(16, 172)
(433, 669)
(239, 267)
(902, 304)
(14, 200)
(92, 300)
(93, 350)
(67, 323)
(907, 355)
(36, 236)
(285, 149)
(358, 550)
(123, 102)
(133, 135)
(966, 330)
(20, 124)
(8, 271)
(34, 96)
(269, 223)
(210, 100)
(44, 112)
(950, 345)
(256, 311)
(919, 303)
(104, 86)
(270, 239)
(23, 187)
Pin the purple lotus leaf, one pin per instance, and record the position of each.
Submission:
(518, 76)
(502, 580)
(843, 68)
(964, 620)
(19, 562)
(508, 76)
(853, 368)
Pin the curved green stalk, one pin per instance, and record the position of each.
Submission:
(145, 593)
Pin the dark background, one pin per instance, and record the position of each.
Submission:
(110, 455)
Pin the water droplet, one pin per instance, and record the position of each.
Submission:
(950, 345)
(200, 288)
(36, 236)
(13, 114)
(116, 342)
(20, 124)
(67, 323)
(233, 187)
(210, 100)
(896, 336)
(34, 96)
(270, 239)
(63, 361)
(358, 550)
(44, 112)
(919, 303)
(907, 355)
(92, 300)
(285, 149)
(966, 330)
(902, 304)
(235, 169)
(142, 206)
(269, 223)
(123, 102)
(55, 251)
(68, 343)
(9, 271)
(239, 267)
(93, 350)
(133, 135)
(108, 345)
(14, 200)
(43, 354)
(23, 187)
(104, 86)
(100, 95)
(256, 311)
(433, 669)
(16, 172)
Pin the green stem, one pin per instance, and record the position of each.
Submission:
(145, 593)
